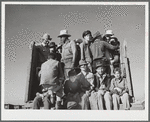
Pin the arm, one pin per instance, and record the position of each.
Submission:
(109, 46)
(82, 51)
(74, 51)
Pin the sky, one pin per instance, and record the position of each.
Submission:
(26, 23)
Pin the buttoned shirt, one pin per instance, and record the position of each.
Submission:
(69, 50)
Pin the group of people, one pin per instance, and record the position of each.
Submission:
(77, 74)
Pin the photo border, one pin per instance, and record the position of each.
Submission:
(13, 115)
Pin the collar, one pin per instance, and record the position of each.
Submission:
(67, 41)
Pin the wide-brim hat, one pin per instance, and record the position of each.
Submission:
(78, 41)
(82, 62)
(46, 36)
(64, 33)
(97, 34)
(109, 32)
(52, 44)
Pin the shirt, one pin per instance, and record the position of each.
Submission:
(69, 50)
(51, 72)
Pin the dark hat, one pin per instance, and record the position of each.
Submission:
(102, 63)
(82, 62)
(97, 34)
(52, 44)
(79, 41)
(86, 32)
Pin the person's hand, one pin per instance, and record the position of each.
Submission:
(31, 44)
(118, 89)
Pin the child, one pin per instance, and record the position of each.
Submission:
(119, 89)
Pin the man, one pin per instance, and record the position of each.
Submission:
(85, 86)
(102, 86)
(98, 49)
(85, 49)
(69, 52)
(53, 49)
(51, 81)
(42, 49)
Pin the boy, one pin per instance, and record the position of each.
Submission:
(119, 90)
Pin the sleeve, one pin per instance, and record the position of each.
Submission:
(126, 85)
(109, 46)
(82, 51)
(112, 85)
(61, 75)
(74, 51)
(66, 87)
(97, 83)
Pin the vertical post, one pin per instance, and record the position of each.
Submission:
(128, 71)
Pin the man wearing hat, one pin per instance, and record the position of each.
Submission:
(85, 48)
(42, 49)
(99, 49)
(51, 80)
(53, 49)
(69, 51)
(103, 82)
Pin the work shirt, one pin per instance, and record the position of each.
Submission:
(69, 50)
(85, 52)
(99, 47)
(51, 73)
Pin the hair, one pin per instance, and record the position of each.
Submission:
(51, 56)
(117, 69)
(86, 32)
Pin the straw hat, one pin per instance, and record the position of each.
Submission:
(109, 32)
(64, 33)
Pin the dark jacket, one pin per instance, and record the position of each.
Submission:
(106, 81)
(99, 47)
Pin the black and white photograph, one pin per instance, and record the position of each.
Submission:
(74, 60)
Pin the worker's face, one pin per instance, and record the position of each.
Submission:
(117, 74)
(84, 67)
(101, 70)
(46, 41)
(63, 39)
(88, 37)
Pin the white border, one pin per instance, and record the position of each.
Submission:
(74, 114)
